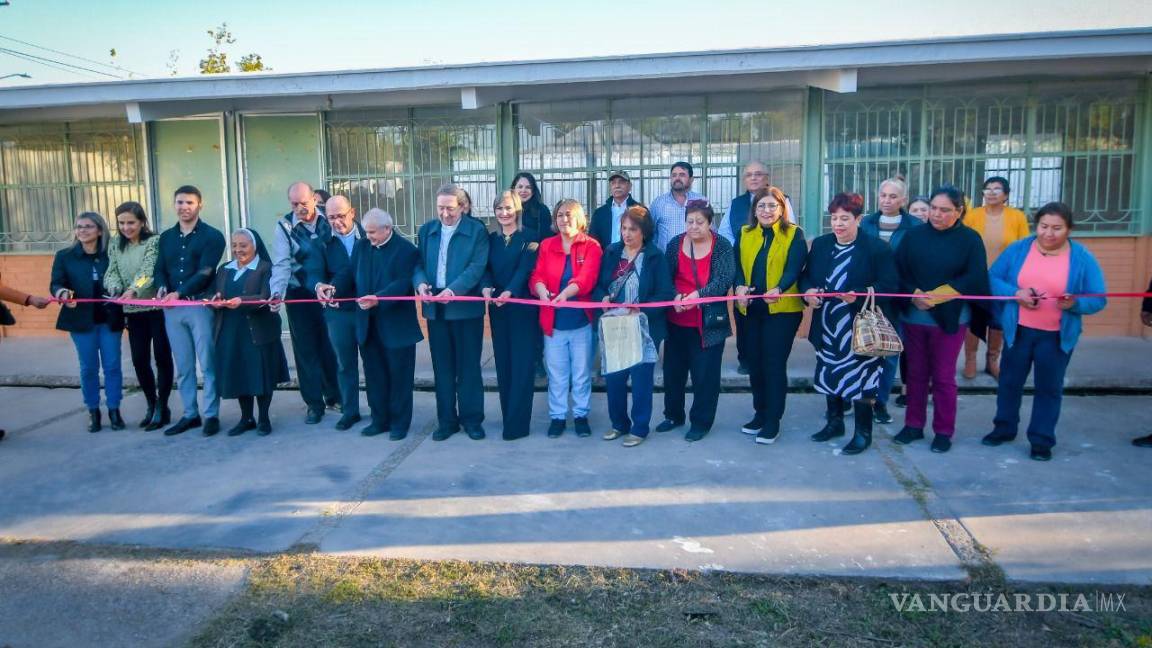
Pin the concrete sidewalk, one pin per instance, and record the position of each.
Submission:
(724, 503)
(1115, 364)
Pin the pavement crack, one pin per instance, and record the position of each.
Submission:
(975, 558)
(331, 517)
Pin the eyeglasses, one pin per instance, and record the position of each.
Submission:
(767, 207)
(993, 190)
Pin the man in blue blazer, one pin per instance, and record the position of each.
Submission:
(453, 256)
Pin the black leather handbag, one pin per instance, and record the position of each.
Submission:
(714, 315)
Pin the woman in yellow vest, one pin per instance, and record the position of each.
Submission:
(771, 255)
(1000, 226)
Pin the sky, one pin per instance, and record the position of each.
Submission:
(297, 36)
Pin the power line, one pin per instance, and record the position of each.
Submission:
(81, 58)
(55, 67)
(64, 63)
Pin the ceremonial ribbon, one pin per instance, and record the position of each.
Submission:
(153, 303)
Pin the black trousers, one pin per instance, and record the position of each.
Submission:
(312, 350)
(388, 378)
(769, 343)
(741, 336)
(455, 346)
(683, 356)
(515, 333)
(148, 339)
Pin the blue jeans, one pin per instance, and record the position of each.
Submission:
(891, 366)
(1042, 349)
(189, 331)
(100, 348)
(642, 379)
(342, 332)
(567, 357)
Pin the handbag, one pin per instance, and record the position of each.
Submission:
(712, 318)
(872, 334)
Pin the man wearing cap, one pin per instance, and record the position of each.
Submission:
(605, 226)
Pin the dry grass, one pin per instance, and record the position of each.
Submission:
(309, 600)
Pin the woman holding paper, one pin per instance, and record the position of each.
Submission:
(938, 263)
(633, 271)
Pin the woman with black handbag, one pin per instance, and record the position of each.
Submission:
(633, 271)
(702, 264)
(95, 327)
(846, 260)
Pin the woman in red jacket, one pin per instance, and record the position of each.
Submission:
(567, 266)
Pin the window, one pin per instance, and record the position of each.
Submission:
(49, 173)
(396, 160)
(1051, 144)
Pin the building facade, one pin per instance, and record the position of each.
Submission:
(1062, 116)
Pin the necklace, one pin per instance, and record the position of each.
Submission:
(1053, 253)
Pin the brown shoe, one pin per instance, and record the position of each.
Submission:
(992, 359)
(971, 344)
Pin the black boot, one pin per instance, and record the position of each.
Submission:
(161, 417)
(835, 416)
(149, 413)
(115, 421)
(862, 434)
(94, 420)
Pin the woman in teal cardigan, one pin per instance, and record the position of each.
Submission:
(1045, 273)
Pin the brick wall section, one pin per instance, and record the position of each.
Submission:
(30, 273)
(1127, 263)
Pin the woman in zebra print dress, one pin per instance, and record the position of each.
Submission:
(847, 260)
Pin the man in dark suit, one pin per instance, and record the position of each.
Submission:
(453, 255)
(605, 226)
(382, 265)
(340, 317)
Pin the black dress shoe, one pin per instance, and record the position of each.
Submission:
(333, 404)
(993, 439)
(115, 421)
(182, 426)
(742, 369)
(668, 424)
(313, 417)
(1040, 454)
(442, 434)
(908, 435)
(264, 428)
(695, 434)
(1143, 442)
(211, 426)
(476, 433)
(373, 430)
(902, 400)
(397, 435)
(941, 444)
(148, 414)
(556, 428)
(347, 421)
(94, 420)
(2, 433)
(880, 413)
(582, 427)
(243, 426)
